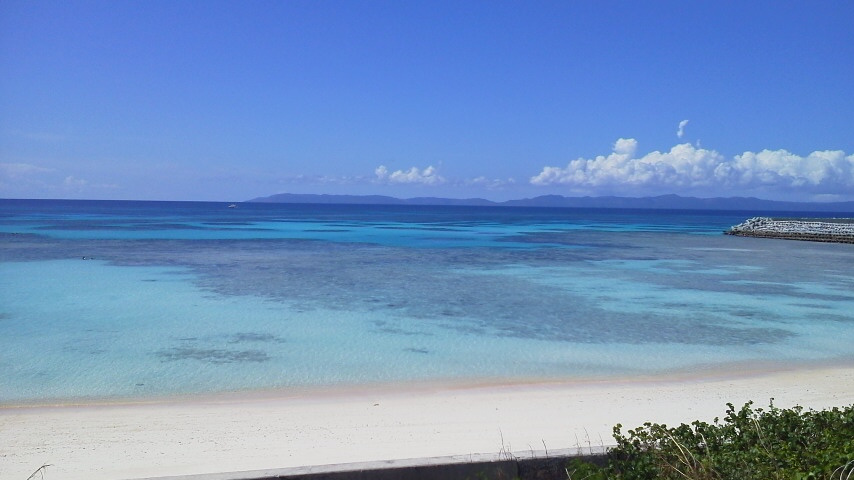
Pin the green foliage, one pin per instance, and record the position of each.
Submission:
(791, 444)
(581, 470)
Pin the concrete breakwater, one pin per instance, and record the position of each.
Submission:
(837, 230)
(537, 466)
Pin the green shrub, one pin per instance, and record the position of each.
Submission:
(791, 444)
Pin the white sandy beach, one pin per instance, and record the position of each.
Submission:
(275, 430)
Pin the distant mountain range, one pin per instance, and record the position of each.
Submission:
(674, 202)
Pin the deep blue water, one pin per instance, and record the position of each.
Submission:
(107, 299)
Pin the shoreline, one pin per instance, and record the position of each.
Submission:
(263, 430)
(699, 373)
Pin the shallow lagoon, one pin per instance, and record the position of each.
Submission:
(184, 298)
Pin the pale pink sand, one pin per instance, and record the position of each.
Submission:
(275, 430)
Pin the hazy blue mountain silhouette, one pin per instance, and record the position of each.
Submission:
(674, 202)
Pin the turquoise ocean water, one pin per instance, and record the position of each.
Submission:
(118, 300)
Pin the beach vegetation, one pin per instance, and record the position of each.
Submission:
(747, 443)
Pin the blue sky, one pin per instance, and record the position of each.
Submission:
(205, 100)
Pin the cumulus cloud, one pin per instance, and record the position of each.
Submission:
(686, 167)
(829, 170)
(683, 165)
(427, 176)
(680, 132)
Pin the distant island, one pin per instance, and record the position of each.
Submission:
(666, 202)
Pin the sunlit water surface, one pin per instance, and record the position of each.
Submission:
(141, 299)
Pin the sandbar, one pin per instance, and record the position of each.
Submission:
(269, 430)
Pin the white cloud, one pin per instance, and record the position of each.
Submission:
(683, 165)
(303, 179)
(26, 180)
(74, 183)
(686, 167)
(681, 131)
(490, 183)
(427, 176)
(821, 171)
(33, 181)
(19, 170)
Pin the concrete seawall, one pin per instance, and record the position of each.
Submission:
(538, 465)
(814, 230)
